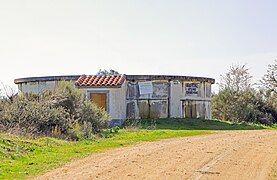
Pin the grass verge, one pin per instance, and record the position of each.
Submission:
(20, 158)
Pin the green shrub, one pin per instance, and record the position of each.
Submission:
(34, 117)
(108, 133)
(61, 113)
(243, 106)
(97, 117)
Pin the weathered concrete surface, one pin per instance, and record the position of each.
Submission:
(160, 90)
(175, 99)
(170, 99)
(143, 108)
(147, 105)
(158, 108)
(197, 105)
(131, 110)
(196, 109)
(132, 90)
(37, 87)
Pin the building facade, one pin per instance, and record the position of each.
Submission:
(136, 96)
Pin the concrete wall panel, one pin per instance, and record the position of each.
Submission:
(143, 108)
(131, 110)
(132, 90)
(158, 108)
(197, 109)
(160, 90)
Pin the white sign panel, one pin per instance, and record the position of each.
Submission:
(145, 87)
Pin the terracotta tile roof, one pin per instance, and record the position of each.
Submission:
(100, 81)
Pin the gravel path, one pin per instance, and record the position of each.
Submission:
(223, 155)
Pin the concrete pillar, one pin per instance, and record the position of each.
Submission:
(175, 104)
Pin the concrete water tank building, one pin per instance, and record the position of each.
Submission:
(136, 96)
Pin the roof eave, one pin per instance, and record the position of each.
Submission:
(46, 78)
(169, 77)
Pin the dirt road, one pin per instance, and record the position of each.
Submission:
(224, 155)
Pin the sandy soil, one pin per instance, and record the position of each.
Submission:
(224, 155)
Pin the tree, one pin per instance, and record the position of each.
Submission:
(7, 91)
(107, 73)
(235, 90)
(238, 101)
(269, 90)
(237, 78)
(222, 105)
(269, 80)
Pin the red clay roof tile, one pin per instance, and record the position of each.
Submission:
(100, 81)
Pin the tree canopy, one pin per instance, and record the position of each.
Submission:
(105, 72)
(269, 81)
(238, 100)
(237, 78)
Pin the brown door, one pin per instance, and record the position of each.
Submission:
(100, 99)
(190, 109)
(188, 113)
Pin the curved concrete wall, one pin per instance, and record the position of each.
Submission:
(172, 96)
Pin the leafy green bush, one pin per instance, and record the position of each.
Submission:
(32, 116)
(242, 106)
(108, 133)
(61, 113)
(98, 117)
(239, 101)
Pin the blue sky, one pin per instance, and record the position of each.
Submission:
(178, 37)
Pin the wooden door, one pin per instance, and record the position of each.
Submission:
(188, 113)
(100, 99)
(190, 109)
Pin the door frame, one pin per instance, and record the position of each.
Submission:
(107, 92)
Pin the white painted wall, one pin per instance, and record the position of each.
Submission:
(118, 102)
